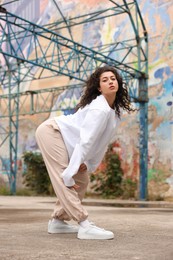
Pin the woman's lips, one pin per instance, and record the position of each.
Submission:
(111, 87)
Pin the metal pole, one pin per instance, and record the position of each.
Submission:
(143, 151)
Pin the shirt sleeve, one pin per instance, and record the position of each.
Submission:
(91, 129)
(93, 163)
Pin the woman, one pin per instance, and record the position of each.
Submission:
(74, 145)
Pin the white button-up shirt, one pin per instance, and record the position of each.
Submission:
(87, 134)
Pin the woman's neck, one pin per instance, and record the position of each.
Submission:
(110, 100)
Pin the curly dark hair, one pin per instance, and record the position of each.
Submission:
(92, 90)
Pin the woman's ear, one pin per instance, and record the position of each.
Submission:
(99, 89)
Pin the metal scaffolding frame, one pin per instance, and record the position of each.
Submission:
(64, 56)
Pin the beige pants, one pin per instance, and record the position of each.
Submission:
(54, 152)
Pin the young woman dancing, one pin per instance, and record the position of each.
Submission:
(74, 145)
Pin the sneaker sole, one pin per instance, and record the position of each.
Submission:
(95, 237)
(62, 231)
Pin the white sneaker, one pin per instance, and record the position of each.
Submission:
(60, 227)
(93, 232)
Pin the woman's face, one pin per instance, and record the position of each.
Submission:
(108, 84)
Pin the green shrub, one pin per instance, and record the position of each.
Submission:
(107, 180)
(35, 176)
(4, 190)
(129, 188)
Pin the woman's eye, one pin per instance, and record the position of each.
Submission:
(105, 80)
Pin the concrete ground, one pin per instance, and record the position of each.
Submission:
(142, 232)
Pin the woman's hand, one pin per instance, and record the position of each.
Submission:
(75, 186)
(82, 167)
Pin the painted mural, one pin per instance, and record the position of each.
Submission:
(157, 15)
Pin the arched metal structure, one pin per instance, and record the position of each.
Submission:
(64, 56)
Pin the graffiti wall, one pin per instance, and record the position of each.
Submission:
(159, 22)
(157, 15)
